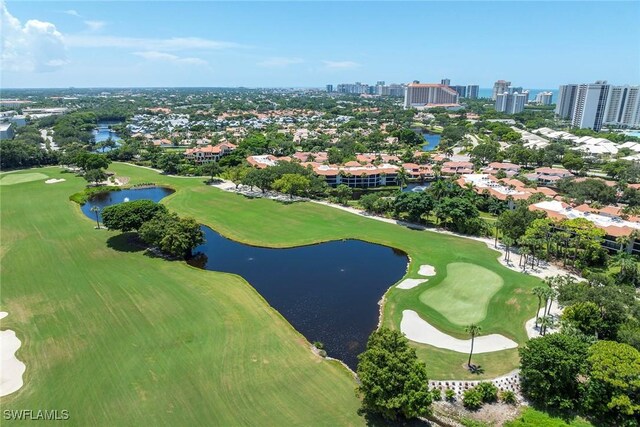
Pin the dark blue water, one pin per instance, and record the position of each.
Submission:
(108, 198)
(433, 140)
(329, 292)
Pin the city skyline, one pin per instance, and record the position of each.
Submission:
(309, 44)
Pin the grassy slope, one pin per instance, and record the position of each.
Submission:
(269, 223)
(120, 338)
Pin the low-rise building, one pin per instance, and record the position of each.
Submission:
(6, 131)
(510, 169)
(548, 176)
(209, 153)
(502, 189)
(457, 168)
(610, 219)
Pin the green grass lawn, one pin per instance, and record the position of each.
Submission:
(119, 338)
(530, 417)
(18, 178)
(464, 295)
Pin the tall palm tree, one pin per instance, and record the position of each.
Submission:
(472, 330)
(96, 210)
(545, 322)
(540, 292)
(402, 178)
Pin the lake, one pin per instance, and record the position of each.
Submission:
(109, 198)
(103, 133)
(433, 140)
(329, 292)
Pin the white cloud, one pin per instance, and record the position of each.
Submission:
(37, 46)
(73, 12)
(167, 57)
(95, 25)
(340, 64)
(148, 44)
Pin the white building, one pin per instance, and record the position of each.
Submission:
(6, 131)
(501, 86)
(473, 91)
(510, 103)
(623, 106)
(544, 98)
(590, 104)
(566, 101)
(419, 95)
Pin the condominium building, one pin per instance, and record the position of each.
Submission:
(499, 87)
(329, 88)
(446, 82)
(510, 103)
(462, 91)
(566, 101)
(420, 95)
(544, 98)
(590, 103)
(209, 153)
(473, 91)
(623, 106)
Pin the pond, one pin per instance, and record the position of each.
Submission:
(329, 292)
(103, 132)
(416, 187)
(433, 140)
(109, 198)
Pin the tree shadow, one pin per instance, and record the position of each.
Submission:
(126, 242)
(375, 420)
(476, 369)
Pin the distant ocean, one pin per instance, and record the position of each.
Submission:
(487, 92)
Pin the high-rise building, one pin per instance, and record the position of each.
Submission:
(462, 90)
(623, 106)
(591, 101)
(544, 98)
(566, 101)
(501, 86)
(417, 94)
(473, 91)
(446, 82)
(510, 103)
(329, 88)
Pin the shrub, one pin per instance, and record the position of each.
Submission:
(488, 391)
(436, 394)
(322, 353)
(509, 397)
(450, 395)
(472, 399)
(318, 345)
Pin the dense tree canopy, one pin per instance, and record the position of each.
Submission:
(129, 216)
(393, 382)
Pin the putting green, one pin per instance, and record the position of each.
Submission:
(464, 295)
(17, 178)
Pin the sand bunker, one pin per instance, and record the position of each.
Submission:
(427, 270)
(418, 330)
(54, 181)
(410, 283)
(11, 369)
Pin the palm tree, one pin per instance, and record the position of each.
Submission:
(472, 330)
(545, 322)
(540, 292)
(623, 241)
(96, 210)
(402, 178)
(508, 242)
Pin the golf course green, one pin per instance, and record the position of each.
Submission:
(118, 337)
(464, 295)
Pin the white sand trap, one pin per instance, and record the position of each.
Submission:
(410, 283)
(427, 270)
(11, 369)
(54, 181)
(418, 330)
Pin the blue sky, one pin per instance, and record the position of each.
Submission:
(103, 44)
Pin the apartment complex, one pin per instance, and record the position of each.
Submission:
(430, 95)
(544, 98)
(510, 103)
(500, 87)
(380, 88)
(209, 153)
(473, 91)
(592, 105)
